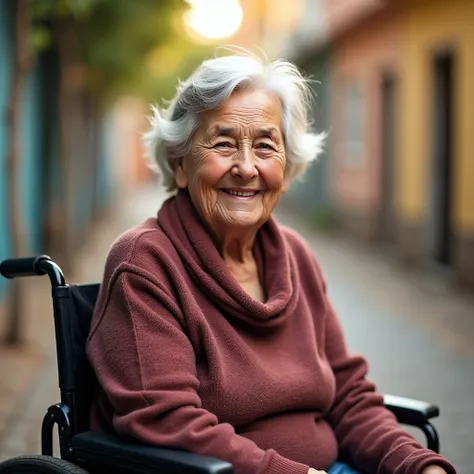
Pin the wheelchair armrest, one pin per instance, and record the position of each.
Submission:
(409, 411)
(415, 413)
(113, 452)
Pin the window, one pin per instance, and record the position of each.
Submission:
(353, 124)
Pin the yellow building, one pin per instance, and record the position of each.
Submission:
(435, 168)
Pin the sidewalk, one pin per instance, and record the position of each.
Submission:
(28, 378)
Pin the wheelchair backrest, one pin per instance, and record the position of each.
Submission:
(82, 298)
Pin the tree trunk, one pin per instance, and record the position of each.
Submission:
(22, 64)
(70, 84)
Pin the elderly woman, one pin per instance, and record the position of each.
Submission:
(213, 331)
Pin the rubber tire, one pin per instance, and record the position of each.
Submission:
(37, 464)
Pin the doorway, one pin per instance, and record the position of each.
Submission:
(387, 223)
(440, 202)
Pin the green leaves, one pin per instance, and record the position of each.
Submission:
(48, 9)
(120, 37)
(126, 46)
(40, 38)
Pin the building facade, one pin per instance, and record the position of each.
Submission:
(435, 165)
(365, 57)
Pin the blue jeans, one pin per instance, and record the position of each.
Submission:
(342, 468)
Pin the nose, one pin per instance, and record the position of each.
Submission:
(244, 166)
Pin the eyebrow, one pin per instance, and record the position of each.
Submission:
(268, 132)
(223, 131)
(218, 130)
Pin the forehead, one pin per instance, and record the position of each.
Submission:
(254, 107)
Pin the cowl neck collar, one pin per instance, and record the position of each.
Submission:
(181, 223)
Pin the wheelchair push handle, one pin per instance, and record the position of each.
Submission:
(32, 266)
(21, 267)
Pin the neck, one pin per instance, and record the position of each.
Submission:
(235, 246)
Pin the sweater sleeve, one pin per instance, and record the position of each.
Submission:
(146, 365)
(368, 434)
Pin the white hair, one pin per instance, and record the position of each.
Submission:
(171, 128)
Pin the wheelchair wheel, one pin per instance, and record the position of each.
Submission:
(39, 465)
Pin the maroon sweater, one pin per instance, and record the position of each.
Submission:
(185, 358)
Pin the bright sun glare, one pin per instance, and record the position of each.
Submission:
(214, 19)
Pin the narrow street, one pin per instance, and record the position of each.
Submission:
(417, 335)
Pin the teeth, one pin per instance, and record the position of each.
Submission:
(243, 194)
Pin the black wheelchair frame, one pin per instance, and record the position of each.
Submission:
(83, 451)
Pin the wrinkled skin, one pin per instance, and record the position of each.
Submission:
(236, 147)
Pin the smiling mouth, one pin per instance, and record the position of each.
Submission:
(240, 194)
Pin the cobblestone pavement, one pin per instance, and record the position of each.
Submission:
(417, 334)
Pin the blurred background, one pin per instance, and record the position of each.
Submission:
(388, 209)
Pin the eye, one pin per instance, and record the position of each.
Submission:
(265, 146)
(223, 145)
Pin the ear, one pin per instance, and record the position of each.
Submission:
(180, 174)
(284, 188)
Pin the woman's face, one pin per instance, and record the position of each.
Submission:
(235, 172)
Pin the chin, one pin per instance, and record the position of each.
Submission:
(242, 223)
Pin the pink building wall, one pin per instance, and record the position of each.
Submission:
(360, 57)
(343, 14)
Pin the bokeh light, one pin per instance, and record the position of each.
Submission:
(214, 19)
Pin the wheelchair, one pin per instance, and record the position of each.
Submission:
(83, 451)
